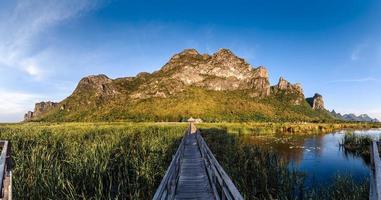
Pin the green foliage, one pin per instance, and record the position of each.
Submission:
(127, 161)
(343, 186)
(211, 106)
(90, 161)
(257, 174)
(358, 145)
(262, 174)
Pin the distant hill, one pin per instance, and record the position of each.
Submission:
(353, 117)
(218, 87)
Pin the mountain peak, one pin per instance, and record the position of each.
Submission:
(225, 55)
(185, 73)
(353, 117)
(316, 102)
(189, 52)
(224, 52)
(100, 84)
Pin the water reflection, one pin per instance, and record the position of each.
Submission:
(319, 156)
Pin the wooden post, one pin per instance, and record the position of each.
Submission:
(375, 178)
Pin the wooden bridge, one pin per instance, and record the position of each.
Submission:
(194, 173)
(5, 171)
(375, 172)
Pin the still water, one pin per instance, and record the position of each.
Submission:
(319, 156)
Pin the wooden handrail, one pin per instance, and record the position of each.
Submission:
(5, 171)
(375, 174)
(221, 184)
(167, 187)
(217, 175)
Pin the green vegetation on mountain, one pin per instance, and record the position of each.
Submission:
(215, 88)
(211, 106)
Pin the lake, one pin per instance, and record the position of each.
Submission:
(319, 156)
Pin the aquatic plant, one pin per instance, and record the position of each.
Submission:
(262, 174)
(258, 174)
(343, 186)
(358, 145)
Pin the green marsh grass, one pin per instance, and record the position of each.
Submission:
(262, 174)
(90, 161)
(127, 161)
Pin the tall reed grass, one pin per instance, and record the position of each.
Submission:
(128, 160)
(263, 174)
(90, 161)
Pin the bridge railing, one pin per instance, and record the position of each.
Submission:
(222, 185)
(5, 171)
(375, 174)
(167, 187)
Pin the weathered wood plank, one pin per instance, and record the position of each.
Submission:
(5, 171)
(375, 176)
(193, 180)
(217, 173)
(198, 175)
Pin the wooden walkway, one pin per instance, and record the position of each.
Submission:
(193, 180)
(5, 171)
(375, 172)
(194, 173)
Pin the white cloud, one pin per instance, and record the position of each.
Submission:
(13, 105)
(32, 70)
(25, 50)
(358, 80)
(355, 54)
(22, 24)
(376, 115)
(357, 51)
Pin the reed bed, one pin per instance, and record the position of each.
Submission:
(263, 174)
(90, 161)
(128, 160)
(358, 145)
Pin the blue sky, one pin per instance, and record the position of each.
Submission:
(330, 46)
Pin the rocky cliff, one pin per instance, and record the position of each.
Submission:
(316, 102)
(40, 109)
(222, 71)
(210, 86)
(294, 91)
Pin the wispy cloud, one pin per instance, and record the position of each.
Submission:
(26, 53)
(358, 80)
(357, 51)
(13, 104)
(23, 22)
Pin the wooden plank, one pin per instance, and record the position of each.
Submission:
(3, 158)
(375, 179)
(162, 191)
(5, 171)
(219, 173)
(193, 180)
(199, 173)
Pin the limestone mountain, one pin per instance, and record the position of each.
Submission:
(316, 102)
(354, 118)
(218, 87)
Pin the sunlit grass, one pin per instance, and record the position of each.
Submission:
(127, 160)
(90, 161)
